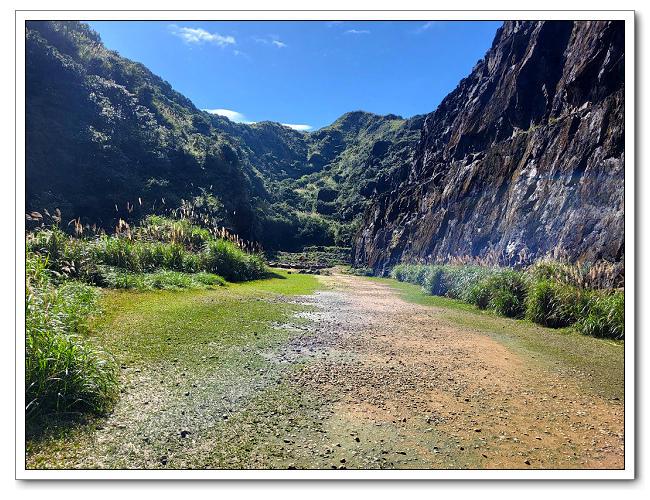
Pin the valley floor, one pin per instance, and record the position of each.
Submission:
(421, 393)
(362, 380)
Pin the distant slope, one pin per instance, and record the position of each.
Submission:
(107, 139)
(525, 159)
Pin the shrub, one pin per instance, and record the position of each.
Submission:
(552, 294)
(433, 281)
(114, 277)
(225, 259)
(409, 274)
(554, 304)
(479, 294)
(508, 291)
(604, 315)
(460, 279)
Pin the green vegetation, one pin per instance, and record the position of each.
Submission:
(162, 247)
(118, 142)
(311, 257)
(66, 370)
(191, 352)
(554, 295)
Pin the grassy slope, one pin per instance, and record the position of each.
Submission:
(600, 359)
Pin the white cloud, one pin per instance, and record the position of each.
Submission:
(237, 117)
(426, 26)
(298, 127)
(233, 116)
(330, 24)
(270, 40)
(356, 32)
(199, 36)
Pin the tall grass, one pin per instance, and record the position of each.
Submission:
(160, 244)
(554, 294)
(64, 372)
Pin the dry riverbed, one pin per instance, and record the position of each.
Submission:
(413, 391)
(359, 379)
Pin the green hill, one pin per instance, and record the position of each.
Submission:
(108, 140)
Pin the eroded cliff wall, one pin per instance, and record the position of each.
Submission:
(525, 159)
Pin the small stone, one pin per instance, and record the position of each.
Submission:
(477, 430)
(343, 460)
(185, 433)
(356, 439)
(292, 466)
(527, 462)
(187, 393)
(163, 460)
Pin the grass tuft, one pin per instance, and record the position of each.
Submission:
(64, 372)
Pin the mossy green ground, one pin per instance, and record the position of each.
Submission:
(193, 361)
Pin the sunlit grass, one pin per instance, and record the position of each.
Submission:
(551, 294)
(65, 371)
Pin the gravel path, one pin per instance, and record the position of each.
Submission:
(409, 391)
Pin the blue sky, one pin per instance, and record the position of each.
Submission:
(305, 74)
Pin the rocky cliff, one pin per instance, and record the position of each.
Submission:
(525, 159)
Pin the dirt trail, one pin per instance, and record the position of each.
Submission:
(410, 391)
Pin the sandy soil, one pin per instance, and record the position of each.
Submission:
(410, 391)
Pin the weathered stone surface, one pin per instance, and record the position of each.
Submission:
(525, 159)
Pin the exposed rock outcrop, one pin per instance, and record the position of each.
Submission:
(525, 159)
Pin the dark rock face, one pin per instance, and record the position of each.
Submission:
(525, 159)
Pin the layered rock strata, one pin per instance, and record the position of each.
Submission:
(525, 159)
